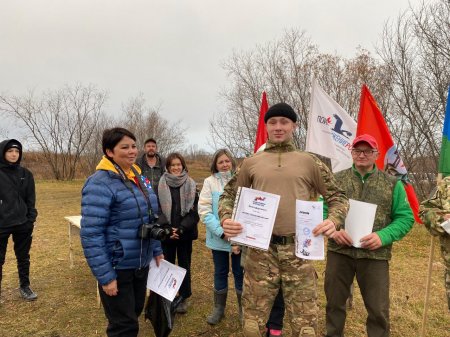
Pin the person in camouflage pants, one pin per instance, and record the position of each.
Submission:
(294, 175)
(433, 212)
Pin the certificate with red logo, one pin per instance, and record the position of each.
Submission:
(165, 279)
(308, 215)
(255, 211)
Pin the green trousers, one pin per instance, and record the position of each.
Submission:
(373, 280)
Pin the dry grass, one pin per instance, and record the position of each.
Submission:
(67, 299)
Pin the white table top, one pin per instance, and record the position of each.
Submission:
(74, 220)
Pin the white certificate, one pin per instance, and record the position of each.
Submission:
(166, 279)
(359, 220)
(255, 211)
(446, 226)
(308, 215)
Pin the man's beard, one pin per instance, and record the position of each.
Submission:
(151, 155)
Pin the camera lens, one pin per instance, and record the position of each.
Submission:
(158, 233)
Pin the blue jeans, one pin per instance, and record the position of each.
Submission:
(222, 266)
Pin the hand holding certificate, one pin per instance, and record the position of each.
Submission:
(359, 220)
(166, 279)
(255, 211)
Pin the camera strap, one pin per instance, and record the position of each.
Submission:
(144, 188)
(129, 185)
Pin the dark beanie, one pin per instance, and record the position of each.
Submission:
(13, 144)
(281, 110)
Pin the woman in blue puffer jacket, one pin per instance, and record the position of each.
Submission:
(222, 169)
(115, 203)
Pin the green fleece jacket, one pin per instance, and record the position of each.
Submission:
(401, 213)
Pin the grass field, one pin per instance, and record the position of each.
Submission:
(67, 298)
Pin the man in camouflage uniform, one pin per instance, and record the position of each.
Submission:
(433, 212)
(292, 174)
(370, 263)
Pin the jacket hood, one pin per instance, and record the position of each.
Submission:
(6, 144)
(106, 165)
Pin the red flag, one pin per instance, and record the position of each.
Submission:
(371, 121)
(261, 132)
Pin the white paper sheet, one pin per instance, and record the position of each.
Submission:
(166, 279)
(446, 226)
(359, 220)
(256, 212)
(308, 215)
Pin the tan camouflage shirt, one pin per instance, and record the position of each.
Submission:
(292, 174)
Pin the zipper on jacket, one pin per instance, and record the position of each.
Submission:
(279, 159)
(140, 255)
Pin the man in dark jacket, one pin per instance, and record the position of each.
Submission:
(151, 163)
(17, 212)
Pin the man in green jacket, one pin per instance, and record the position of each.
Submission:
(393, 220)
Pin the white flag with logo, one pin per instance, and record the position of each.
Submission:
(331, 129)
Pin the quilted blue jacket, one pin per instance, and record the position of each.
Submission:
(109, 226)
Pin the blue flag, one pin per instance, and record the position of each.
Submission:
(444, 159)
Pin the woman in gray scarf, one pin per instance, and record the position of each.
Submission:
(178, 198)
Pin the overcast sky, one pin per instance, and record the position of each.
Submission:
(170, 50)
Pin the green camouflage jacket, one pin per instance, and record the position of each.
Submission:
(432, 211)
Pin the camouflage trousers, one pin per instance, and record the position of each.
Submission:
(265, 273)
(445, 250)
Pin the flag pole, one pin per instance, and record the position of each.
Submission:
(430, 270)
(428, 286)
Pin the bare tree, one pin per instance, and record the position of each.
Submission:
(284, 69)
(409, 82)
(416, 48)
(194, 153)
(3, 133)
(93, 151)
(146, 122)
(61, 122)
(279, 68)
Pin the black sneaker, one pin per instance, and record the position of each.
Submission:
(182, 308)
(27, 294)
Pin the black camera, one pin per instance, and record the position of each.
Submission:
(154, 231)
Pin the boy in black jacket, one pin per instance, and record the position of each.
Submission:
(17, 212)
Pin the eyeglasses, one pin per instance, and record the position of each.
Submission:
(357, 152)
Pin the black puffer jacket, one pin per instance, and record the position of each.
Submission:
(17, 192)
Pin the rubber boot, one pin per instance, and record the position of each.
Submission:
(239, 300)
(220, 300)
